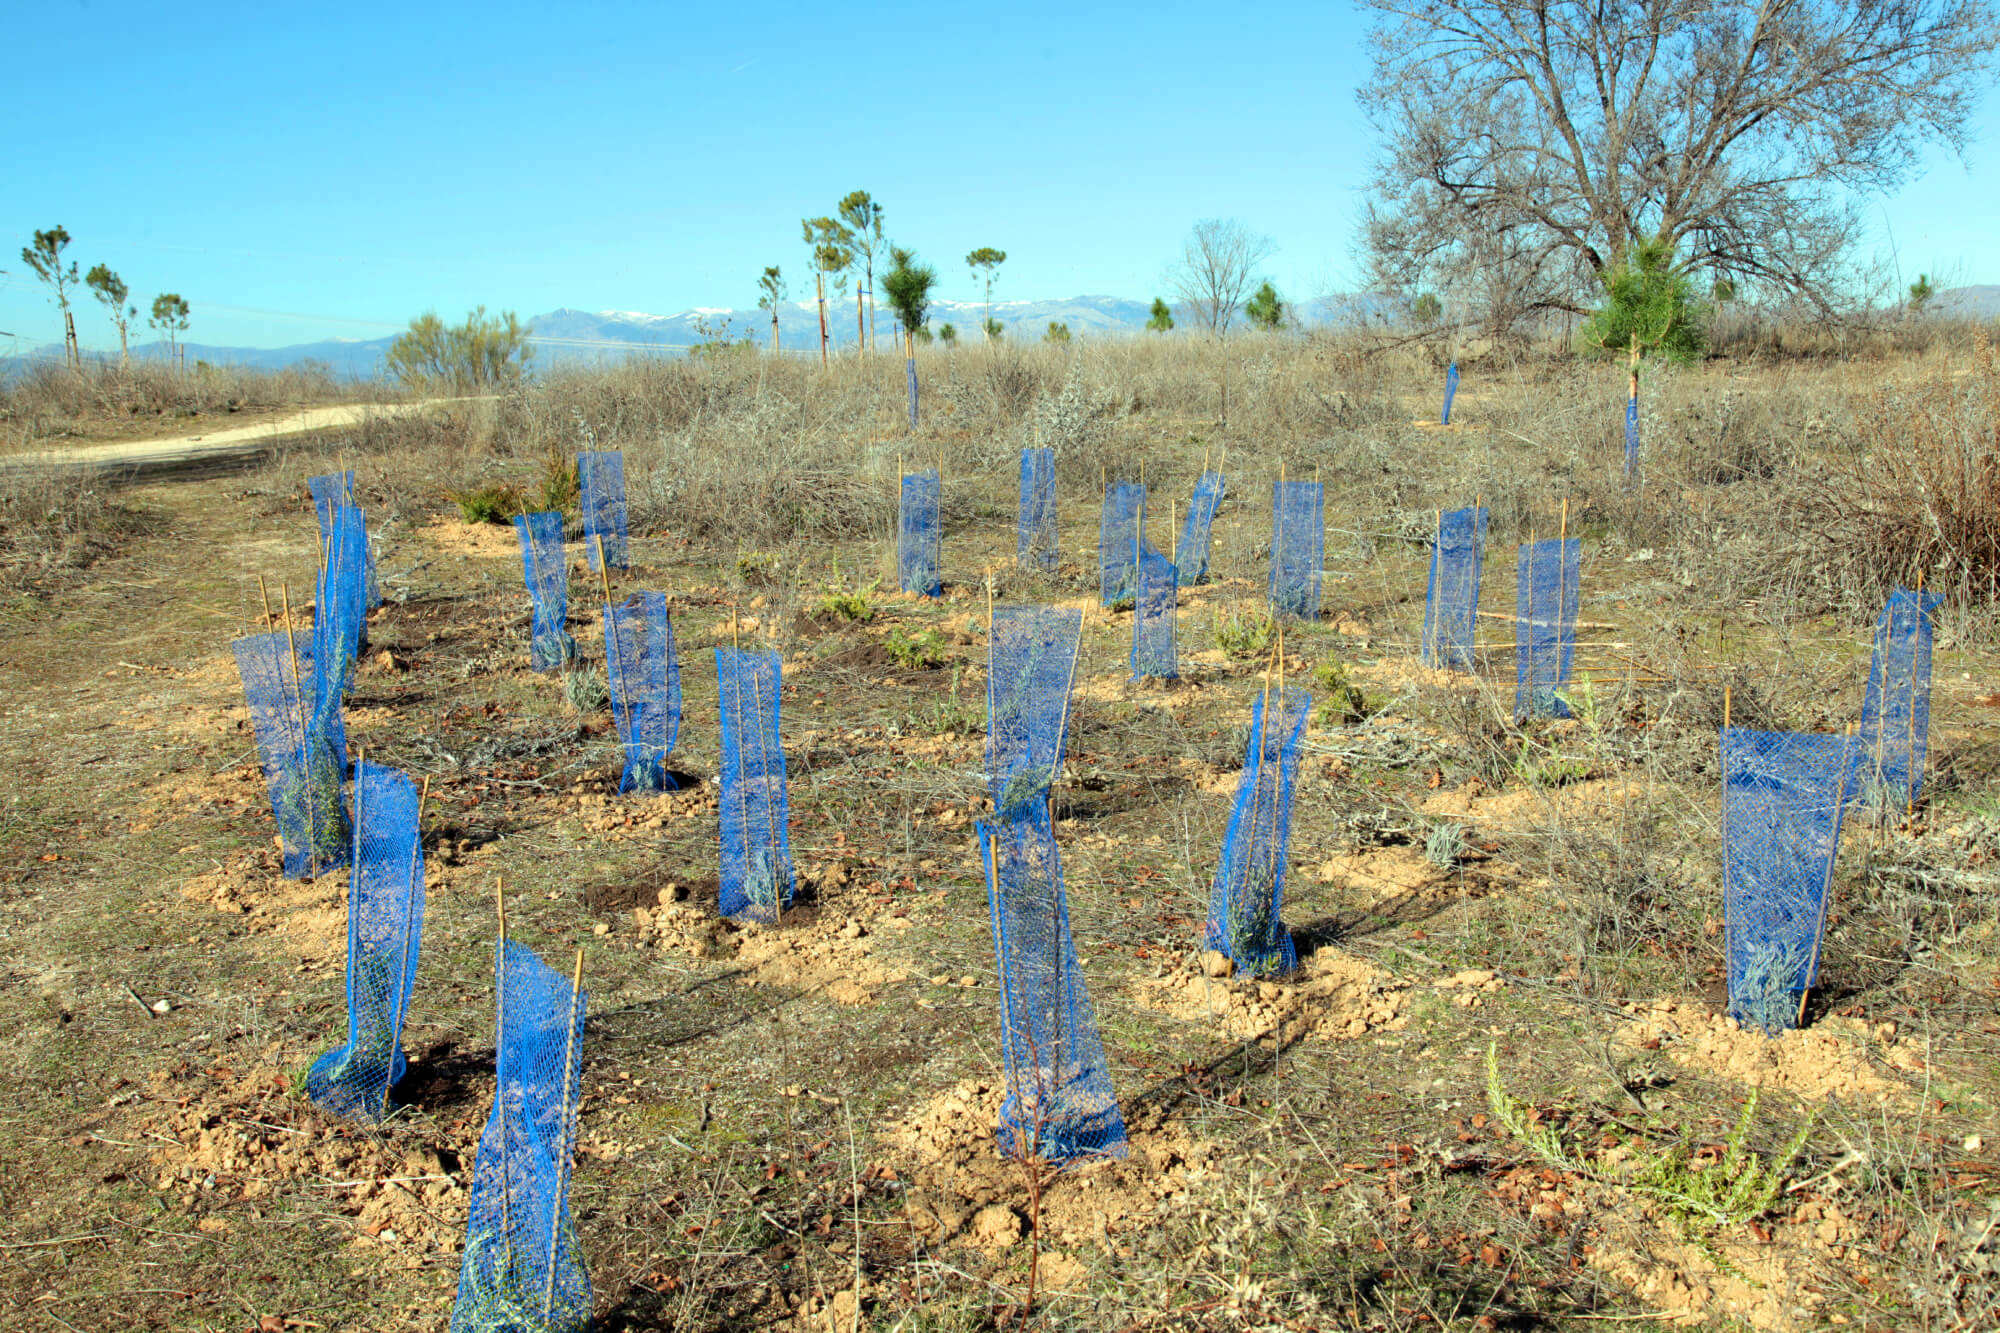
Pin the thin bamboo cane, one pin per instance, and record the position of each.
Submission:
(567, 1148)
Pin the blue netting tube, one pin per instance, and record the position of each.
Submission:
(1118, 530)
(1450, 391)
(302, 770)
(1035, 544)
(1631, 438)
(1451, 602)
(757, 873)
(1192, 551)
(1896, 713)
(645, 685)
(340, 612)
(1247, 898)
(521, 1272)
(1782, 797)
(601, 476)
(919, 539)
(1154, 652)
(1030, 666)
(1546, 585)
(1060, 1106)
(1298, 540)
(545, 567)
(329, 493)
(910, 367)
(385, 920)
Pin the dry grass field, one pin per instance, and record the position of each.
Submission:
(791, 1128)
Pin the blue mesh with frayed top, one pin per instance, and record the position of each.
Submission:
(1298, 539)
(1451, 603)
(385, 920)
(328, 494)
(522, 1272)
(1782, 797)
(644, 674)
(1035, 544)
(1060, 1106)
(1247, 898)
(545, 568)
(1546, 585)
(1450, 391)
(601, 476)
(1030, 666)
(303, 771)
(1631, 438)
(1119, 526)
(919, 539)
(757, 874)
(1896, 713)
(1153, 612)
(1191, 554)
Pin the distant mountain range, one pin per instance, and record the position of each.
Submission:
(564, 337)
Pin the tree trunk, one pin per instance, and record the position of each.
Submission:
(124, 352)
(1632, 380)
(860, 322)
(819, 289)
(774, 328)
(71, 352)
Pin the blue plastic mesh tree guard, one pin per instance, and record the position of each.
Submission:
(910, 369)
(1546, 585)
(1896, 712)
(545, 567)
(1298, 541)
(601, 476)
(521, 1272)
(385, 921)
(1247, 898)
(1450, 391)
(645, 678)
(302, 770)
(1035, 546)
(919, 538)
(340, 613)
(757, 873)
(1119, 527)
(1059, 1105)
(1031, 664)
(1154, 652)
(328, 493)
(1192, 551)
(1631, 438)
(1782, 798)
(1451, 603)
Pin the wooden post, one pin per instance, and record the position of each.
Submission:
(1910, 720)
(409, 909)
(567, 1148)
(1062, 724)
(265, 593)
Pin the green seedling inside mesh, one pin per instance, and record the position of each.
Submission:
(584, 689)
(313, 803)
(372, 1056)
(1025, 792)
(1767, 996)
(760, 886)
(1253, 922)
(503, 1298)
(1245, 640)
(554, 645)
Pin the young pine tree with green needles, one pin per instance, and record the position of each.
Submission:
(1649, 306)
(1160, 318)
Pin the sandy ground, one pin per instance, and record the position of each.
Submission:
(179, 450)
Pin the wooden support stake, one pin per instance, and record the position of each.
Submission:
(265, 593)
(567, 1148)
(1725, 705)
(1910, 719)
(603, 573)
(1062, 724)
(409, 910)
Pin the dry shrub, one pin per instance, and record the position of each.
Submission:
(53, 525)
(1921, 499)
(48, 399)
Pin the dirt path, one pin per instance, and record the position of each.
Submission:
(202, 452)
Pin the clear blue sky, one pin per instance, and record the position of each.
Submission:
(302, 174)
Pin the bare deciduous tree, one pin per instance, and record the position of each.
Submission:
(1216, 269)
(1530, 146)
